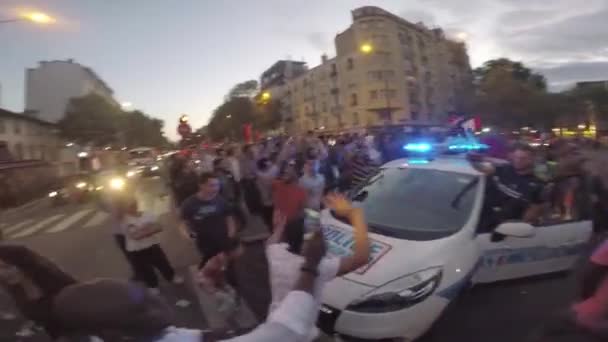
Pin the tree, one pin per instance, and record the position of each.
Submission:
(228, 119)
(139, 129)
(247, 89)
(91, 119)
(509, 94)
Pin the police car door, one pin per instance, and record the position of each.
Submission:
(552, 246)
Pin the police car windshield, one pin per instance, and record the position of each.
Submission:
(417, 204)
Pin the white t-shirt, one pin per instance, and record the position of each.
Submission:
(284, 270)
(135, 223)
(314, 187)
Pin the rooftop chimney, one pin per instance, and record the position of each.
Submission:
(323, 58)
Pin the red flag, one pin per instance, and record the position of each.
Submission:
(247, 132)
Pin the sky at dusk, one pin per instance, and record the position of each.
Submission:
(172, 57)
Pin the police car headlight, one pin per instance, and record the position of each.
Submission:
(400, 293)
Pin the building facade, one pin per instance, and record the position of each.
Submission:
(50, 86)
(28, 138)
(387, 71)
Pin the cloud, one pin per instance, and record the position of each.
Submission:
(581, 36)
(561, 76)
(320, 41)
(415, 15)
(526, 18)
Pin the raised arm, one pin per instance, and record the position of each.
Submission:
(479, 163)
(342, 207)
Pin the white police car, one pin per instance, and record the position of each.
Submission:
(423, 217)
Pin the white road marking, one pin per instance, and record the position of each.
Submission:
(68, 222)
(36, 227)
(98, 219)
(17, 226)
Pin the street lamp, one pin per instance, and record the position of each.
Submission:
(266, 96)
(366, 48)
(34, 17)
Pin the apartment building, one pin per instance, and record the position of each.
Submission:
(28, 138)
(387, 71)
(50, 86)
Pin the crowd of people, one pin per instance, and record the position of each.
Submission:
(217, 192)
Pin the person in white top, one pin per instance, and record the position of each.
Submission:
(284, 261)
(122, 307)
(313, 182)
(143, 244)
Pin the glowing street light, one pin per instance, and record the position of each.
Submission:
(33, 16)
(366, 48)
(265, 96)
(38, 17)
(462, 36)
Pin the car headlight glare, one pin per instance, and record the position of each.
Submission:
(400, 293)
(117, 183)
(81, 185)
(154, 168)
(53, 194)
(131, 174)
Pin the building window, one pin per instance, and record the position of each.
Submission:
(17, 127)
(334, 70)
(401, 37)
(355, 119)
(373, 94)
(324, 107)
(2, 127)
(353, 100)
(18, 151)
(350, 65)
(414, 115)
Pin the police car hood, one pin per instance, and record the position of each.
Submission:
(390, 258)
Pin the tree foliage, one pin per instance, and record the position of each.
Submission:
(511, 95)
(242, 106)
(246, 89)
(93, 120)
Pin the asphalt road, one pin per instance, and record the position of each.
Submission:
(79, 239)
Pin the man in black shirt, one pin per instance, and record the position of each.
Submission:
(513, 192)
(209, 218)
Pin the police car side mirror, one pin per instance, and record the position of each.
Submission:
(515, 229)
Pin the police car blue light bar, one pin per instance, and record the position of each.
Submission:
(467, 147)
(418, 147)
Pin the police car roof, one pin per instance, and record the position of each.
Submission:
(457, 164)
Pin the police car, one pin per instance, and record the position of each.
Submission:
(426, 247)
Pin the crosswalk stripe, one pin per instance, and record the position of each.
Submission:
(98, 219)
(65, 224)
(38, 226)
(18, 226)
